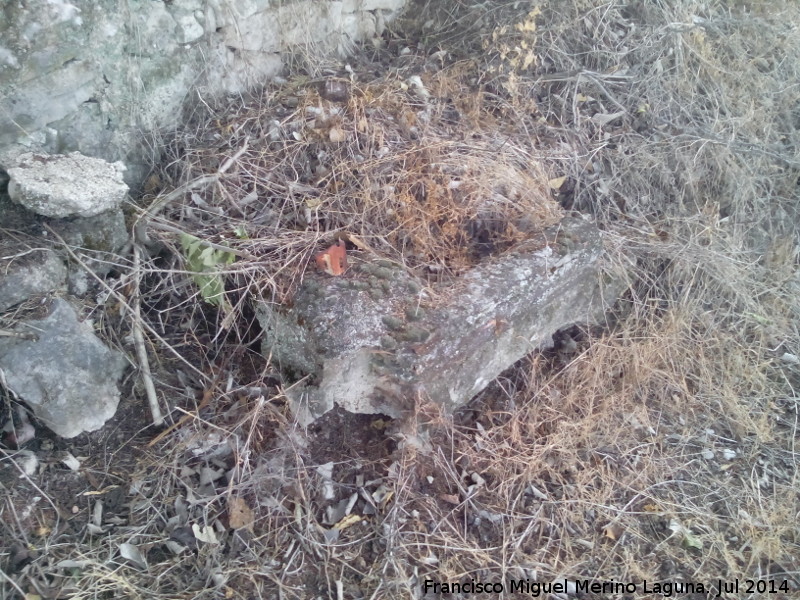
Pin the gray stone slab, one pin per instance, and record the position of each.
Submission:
(24, 274)
(66, 375)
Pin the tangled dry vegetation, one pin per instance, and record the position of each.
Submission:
(373, 159)
(661, 447)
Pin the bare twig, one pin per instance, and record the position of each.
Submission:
(138, 340)
(4, 577)
(140, 228)
(121, 299)
(215, 246)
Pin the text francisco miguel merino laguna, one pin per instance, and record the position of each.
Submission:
(666, 589)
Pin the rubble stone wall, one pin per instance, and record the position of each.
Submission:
(92, 75)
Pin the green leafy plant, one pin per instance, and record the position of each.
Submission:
(204, 262)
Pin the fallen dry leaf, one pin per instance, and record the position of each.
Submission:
(240, 515)
(613, 531)
(337, 135)
(450, 498)
(347, 521)
(205, 534)
(131, 554)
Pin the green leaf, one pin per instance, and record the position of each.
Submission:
(692, 541)
(687, 538)
(204, 262)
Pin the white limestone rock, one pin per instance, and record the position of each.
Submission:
(71, 185)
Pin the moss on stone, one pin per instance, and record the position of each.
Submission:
(388, 342)
(414, 313)
(384, 273)
(413, 287)
(393, 323)
(414, 334)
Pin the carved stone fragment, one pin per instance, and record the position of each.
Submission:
(376, 339)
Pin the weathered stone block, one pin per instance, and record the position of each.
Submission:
(66, 375)
(377, 350)
(66, 185)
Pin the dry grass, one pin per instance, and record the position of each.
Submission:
(380, 161)
(661, 448)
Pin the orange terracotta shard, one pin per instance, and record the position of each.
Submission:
(333, 260)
